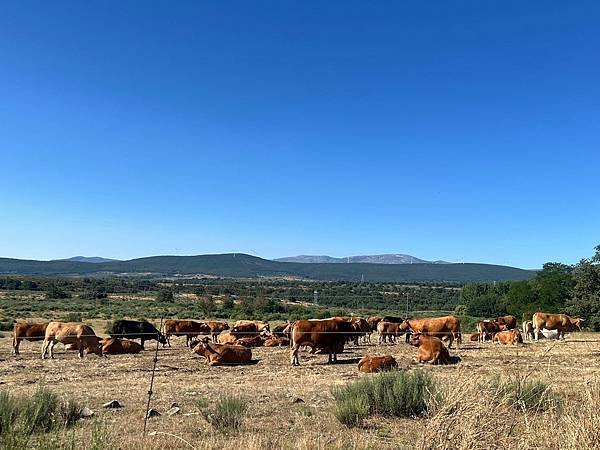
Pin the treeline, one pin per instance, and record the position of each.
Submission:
(557, 288)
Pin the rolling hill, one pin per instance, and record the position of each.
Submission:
(237, 265)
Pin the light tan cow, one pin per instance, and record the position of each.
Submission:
(431, 350)
(71, 333)
(558, 322)
(511, 337)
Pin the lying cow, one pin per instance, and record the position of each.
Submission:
(220, 354)
(133, 329)
(326, 334)
(114, 346)
(226, 338)
(71, 333)
(559, 322)
(431, 350)
(372, 364)
(188, 328)
(254, 341)
(25, 331)
(277, 342)
(441, 327)
(216, 328)
(475, 337)
(512, 337)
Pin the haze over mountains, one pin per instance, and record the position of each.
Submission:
(387, 258)
(90, 259)
(239, 265)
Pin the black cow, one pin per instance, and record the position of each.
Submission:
(132, 329)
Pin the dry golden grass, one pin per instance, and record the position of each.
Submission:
(467, 418)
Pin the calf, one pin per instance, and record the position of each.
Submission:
(216, 328)
(277, 342)
(24, 331)
(114, 346)
(388, 331)
(487, 329)
(371, 364)
(255, 341)
(528, 330)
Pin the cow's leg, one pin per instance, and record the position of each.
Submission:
(52, 344)
(142, 343)
(44, 348)
(450, 339)
(536, 332)
(16, 343)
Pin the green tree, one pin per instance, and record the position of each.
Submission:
(165, 295)
(521, 300)
(585, 301)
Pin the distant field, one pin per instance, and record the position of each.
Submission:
(271, 386)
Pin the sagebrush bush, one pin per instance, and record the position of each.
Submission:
(228, 413)
(395, 393)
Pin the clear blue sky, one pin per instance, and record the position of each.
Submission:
(453, 130)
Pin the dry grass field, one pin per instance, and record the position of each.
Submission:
(277, 419)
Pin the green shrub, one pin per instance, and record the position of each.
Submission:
(9, 412)
(73, 317)
(527, 394)
(41, 411)
(70, 411)
(227, 414)
(396, 394)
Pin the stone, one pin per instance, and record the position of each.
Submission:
(174, 410)
(86, 412)
(113, 404)
(152, 413)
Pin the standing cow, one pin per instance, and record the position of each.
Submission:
(558, 322)
(447, 326)
(326, 334)
(24, 331)
(81, 335)
(133, 329)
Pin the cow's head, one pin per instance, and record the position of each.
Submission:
(95, 346)
(225, 326)
(404, 326)
(415, 339)
(161, 338)
(577, 324)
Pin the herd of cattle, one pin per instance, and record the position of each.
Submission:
(221, 343)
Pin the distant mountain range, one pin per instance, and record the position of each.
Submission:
(238, 265)
(89, 259)
(388, 258)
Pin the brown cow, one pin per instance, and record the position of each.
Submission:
(475, 337)
(216, 328)
(528, 330)
(280, 330)
(25, 331)
(506, 322)
(245, 328)
(388, 331)
(558, 322)
(447, 326)
(71, 333)
(115, 346)
(431, 350)
(326, 334)
(507, 337)
(218, 354)
(487, 329)
(373, 321)
(253, 341)
(371, 364)
(188, 328)
(277, 342)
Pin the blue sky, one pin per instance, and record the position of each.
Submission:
(464, 131)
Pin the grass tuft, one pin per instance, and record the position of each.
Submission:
(228, 413)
